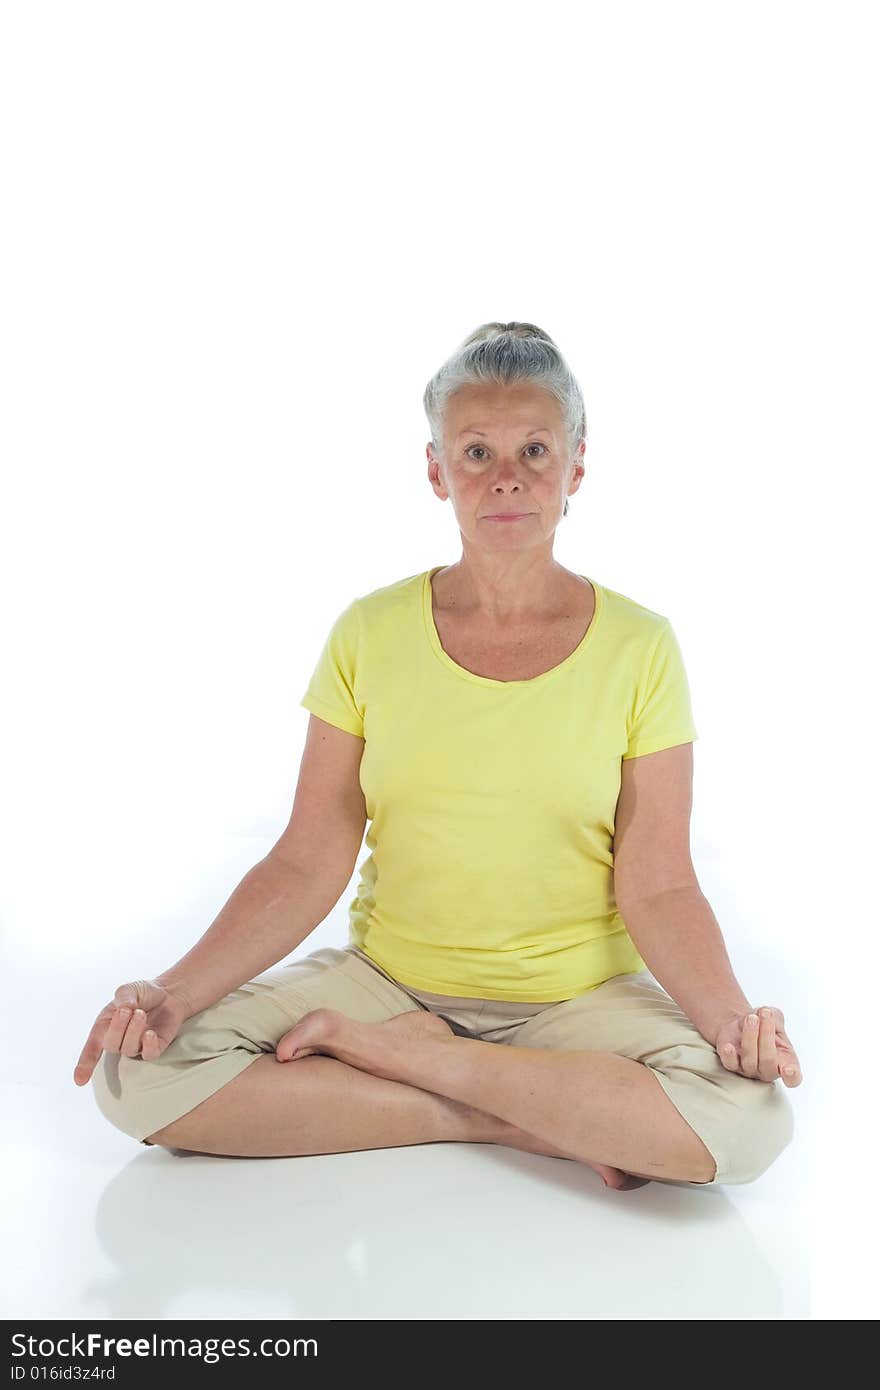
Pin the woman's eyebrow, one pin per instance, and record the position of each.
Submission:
(468, 430)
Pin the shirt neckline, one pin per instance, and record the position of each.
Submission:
(446, 659)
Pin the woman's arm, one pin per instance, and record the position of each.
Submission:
(289, 892)
(272, 910)
(678, 937)
(658, 896)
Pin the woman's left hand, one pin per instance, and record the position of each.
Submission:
(760, 1050)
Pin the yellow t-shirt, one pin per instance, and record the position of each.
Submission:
(491, 803)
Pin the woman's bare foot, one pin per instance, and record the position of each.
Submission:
(358, 1044)
(515, 1138)
(328, 1031)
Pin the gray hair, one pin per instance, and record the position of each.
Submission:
(505, 353)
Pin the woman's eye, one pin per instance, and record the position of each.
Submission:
(528, 446)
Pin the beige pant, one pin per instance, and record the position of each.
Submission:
(745, 1124)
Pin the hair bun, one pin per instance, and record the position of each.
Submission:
(516, 330)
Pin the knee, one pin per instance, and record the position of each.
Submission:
(164, 1138)
(762, 1126)
(137, 1097)
(116, 1095)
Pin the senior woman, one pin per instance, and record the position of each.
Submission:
(531, 961)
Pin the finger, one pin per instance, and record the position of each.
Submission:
(768, 1062)
(92, 1049)
(789, 1066)
(116, 1029)
(749, 1045)
(729, 1057)
(131, 1044)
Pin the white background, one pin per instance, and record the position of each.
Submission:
(238, 240)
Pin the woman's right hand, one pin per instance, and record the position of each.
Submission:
(141, 1020)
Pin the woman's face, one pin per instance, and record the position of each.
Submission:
(505, 451)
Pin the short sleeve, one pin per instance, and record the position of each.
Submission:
(661, 715)
(331, 693)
